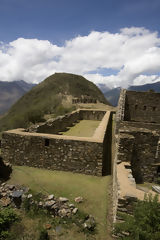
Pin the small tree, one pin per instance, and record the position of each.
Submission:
(145, 222)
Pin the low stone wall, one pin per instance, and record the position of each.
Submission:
(61, 123)
(92, 114)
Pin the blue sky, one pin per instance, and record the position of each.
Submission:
(63, 23)
(59, 20)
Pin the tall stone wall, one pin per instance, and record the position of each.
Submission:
(139, 148)
(121, 108)
(142, 107)
(52, 153)
(137, 139)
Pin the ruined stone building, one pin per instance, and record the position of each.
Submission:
(84, 99)
(43, 146)
(138, 129)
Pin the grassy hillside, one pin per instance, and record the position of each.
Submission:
(49, 97)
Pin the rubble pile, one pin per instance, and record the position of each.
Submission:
(16, 196)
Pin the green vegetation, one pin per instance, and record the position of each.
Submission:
(7, 218)
(85, 128)
(49, 97)
(70, 185)
(145, 222)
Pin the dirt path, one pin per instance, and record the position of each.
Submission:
(126, 186)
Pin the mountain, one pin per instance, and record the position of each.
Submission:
(103, 87)
(10, 92)
(113, 95)
(53, 95)
(146, 87)
(24, 85)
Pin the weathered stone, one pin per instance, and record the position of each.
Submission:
(90, 223)
(78, 199)
(51, 197)
(63, 199)
(49, 204)
(71, 205)
(5, 201)
(75, 210)
(16, 194)
(29, 196)
(63, 212)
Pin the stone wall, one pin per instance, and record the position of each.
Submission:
(137, 139)
(91, 114)
(54, 154)
(121, 108)
(139, 148)
(84, 100)
(58, 152)
(60, 124)
(142, 106)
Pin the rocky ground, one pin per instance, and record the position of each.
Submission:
(22, 197)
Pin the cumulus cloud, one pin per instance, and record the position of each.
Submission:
(129, 57)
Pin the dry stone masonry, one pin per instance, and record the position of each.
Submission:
(41, 146)
(137, 140)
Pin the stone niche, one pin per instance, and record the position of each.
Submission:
(88, 155)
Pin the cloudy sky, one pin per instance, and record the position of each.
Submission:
(114, 42)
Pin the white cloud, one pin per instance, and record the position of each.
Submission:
(133, 53)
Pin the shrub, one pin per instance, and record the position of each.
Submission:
(145, 222)
(7, 217)
(43, 235)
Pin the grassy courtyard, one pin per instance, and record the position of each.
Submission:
(85, 128)
(94, 190)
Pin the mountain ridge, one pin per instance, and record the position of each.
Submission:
(10, 92)
(113, 95)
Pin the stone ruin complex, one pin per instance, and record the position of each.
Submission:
(138, 124)
(84, 99)
(137, 143)
(43, 146)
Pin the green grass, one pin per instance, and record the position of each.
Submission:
(70, 185)
(85, 128)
